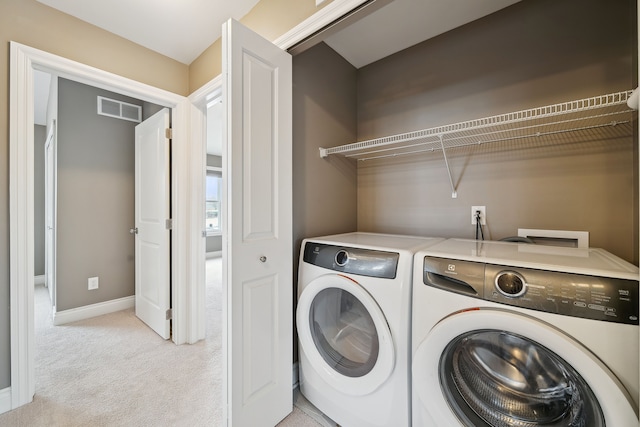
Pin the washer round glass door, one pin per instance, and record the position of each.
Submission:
(344, 334)
(497, 378)
(497, 368)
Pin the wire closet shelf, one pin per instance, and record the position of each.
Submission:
(602, 111)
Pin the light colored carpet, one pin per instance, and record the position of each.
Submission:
(112, 370)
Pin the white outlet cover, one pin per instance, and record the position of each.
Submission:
(483, 214)
(93, 283)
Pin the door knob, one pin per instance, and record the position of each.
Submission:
(133, 230)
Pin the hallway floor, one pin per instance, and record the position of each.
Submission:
(112, 370)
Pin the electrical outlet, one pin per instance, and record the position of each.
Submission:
(93, 283)
(483, 214)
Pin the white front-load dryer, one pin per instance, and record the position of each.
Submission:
(353, 321)
(511, 334)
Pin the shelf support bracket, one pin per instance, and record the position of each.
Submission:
(454, 193)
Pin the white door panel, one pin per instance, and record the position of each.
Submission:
(258, 245)
(152, 211)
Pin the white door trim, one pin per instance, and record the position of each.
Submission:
(23, 60)
(325, 16)
(198, 118)
(50, 209)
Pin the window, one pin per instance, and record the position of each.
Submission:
(212, 203)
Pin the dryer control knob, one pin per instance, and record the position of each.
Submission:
(342, 257)
(510, 284)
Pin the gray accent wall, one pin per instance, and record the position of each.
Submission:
(324, 115)
(531, 54)
(214, 244)
(149, 109)
(95, 199)
(39, 139)
(213, 160)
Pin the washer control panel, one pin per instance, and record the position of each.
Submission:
(591, 297)
(363, 262)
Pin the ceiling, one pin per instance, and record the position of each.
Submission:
(404, 23)
(196, 24)
(181, 30)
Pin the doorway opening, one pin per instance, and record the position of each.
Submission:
(24, 61)
(84, 203)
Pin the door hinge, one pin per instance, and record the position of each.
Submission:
(168, 224)
(169, 314)
(168, 133)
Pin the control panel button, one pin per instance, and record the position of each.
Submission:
(510, 284)
(342, 257)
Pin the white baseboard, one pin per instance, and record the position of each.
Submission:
(93, 310)
(5, 400)
(295, 376)
(215, 254)
(39, 280)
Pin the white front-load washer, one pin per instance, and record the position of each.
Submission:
(353, 321)
(512, 334)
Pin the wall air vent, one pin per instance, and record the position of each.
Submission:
(119, 110)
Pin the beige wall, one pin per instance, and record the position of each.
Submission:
(532, 54)
(33, 24)
(269, 18)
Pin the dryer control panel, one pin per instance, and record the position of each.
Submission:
(363, 262)
(591, 297)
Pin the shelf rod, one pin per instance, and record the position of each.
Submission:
(454, 193)
(513, 138)
(571, 107)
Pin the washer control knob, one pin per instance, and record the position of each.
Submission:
(510, 284)
(342, 257)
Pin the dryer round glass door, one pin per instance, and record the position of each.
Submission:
(490, 367)
(344, 334)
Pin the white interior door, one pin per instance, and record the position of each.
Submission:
(152, 211)
(50, 196)
(258, 247)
